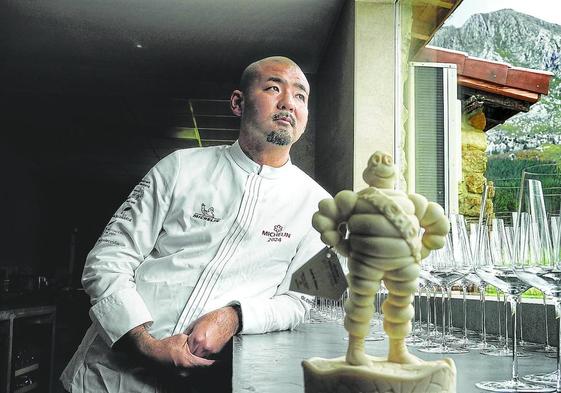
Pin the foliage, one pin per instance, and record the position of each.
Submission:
(552, 153)
(504, 168)
(528, 155)
(531, 293)
(506, 197)
(506, 176)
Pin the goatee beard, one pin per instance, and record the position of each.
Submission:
(280, 138)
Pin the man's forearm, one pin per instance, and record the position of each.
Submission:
(168, 352)
(137, 341)
(210, 332)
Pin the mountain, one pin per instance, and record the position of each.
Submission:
(520, 40)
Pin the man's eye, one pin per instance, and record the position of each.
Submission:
(275, 88)
(301, 97)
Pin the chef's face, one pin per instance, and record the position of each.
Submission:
(274, 106)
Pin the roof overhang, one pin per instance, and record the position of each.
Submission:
(500, 89)
(428, 17)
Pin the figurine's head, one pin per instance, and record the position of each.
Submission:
(380, 171)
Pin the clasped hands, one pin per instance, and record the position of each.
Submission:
(203, 337)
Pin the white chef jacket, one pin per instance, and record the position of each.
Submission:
(205, 228)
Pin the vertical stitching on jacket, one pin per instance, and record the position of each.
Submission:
(245, 227)
(203, 281)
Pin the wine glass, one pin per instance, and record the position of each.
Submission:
(551, 378)
(546, 348)
(464, 263)
(444, 271)
(479, 244)
(430, 290)
(542, 268)
(501, 273)
(499, 241)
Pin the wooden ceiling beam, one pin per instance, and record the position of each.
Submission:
(428, 16)
(472, 97)
(419, 36)
(498, 89)
(422, 27)
(436, 3)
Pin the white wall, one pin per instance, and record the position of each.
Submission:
(374, 82)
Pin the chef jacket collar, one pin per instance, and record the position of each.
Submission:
(250, 166)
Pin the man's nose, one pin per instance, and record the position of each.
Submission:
(286, 102)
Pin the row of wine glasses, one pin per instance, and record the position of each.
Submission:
(517, 251)
(443, 269)
(496, 249)
(522, 255)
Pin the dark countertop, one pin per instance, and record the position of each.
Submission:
(271, 362)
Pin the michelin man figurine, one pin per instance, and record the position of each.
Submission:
(383, 243)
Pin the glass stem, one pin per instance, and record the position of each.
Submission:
(434, 311)
(428, 314)
(505, 346)
(449, 296)
(420, 311)
(443, 290)
(558, 306)
(415, 309)
(482, 301)
(499, 315)
(481, 310)
(546, 326)
(464, 290)
(513, 305)
(521, 333)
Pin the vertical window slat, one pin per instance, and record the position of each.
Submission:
(430, 179)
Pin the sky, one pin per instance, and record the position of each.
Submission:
(548, 10)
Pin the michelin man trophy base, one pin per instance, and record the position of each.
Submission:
(383, 244)
(337, 376)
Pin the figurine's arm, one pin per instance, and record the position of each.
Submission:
(329, 220)
(434, 221)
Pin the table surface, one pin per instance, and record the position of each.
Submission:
(271, 363)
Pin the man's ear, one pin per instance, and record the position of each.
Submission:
(236, 102)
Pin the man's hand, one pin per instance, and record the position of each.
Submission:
(169, 352)
(209, 333)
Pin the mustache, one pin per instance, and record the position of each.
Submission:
(285, 114)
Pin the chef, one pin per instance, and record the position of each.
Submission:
(204, 246)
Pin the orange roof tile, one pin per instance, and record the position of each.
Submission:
(491, 76)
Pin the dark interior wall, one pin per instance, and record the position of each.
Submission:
(21, 210)
(47, 206)
(335, 107)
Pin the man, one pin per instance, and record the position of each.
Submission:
(204, 246)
